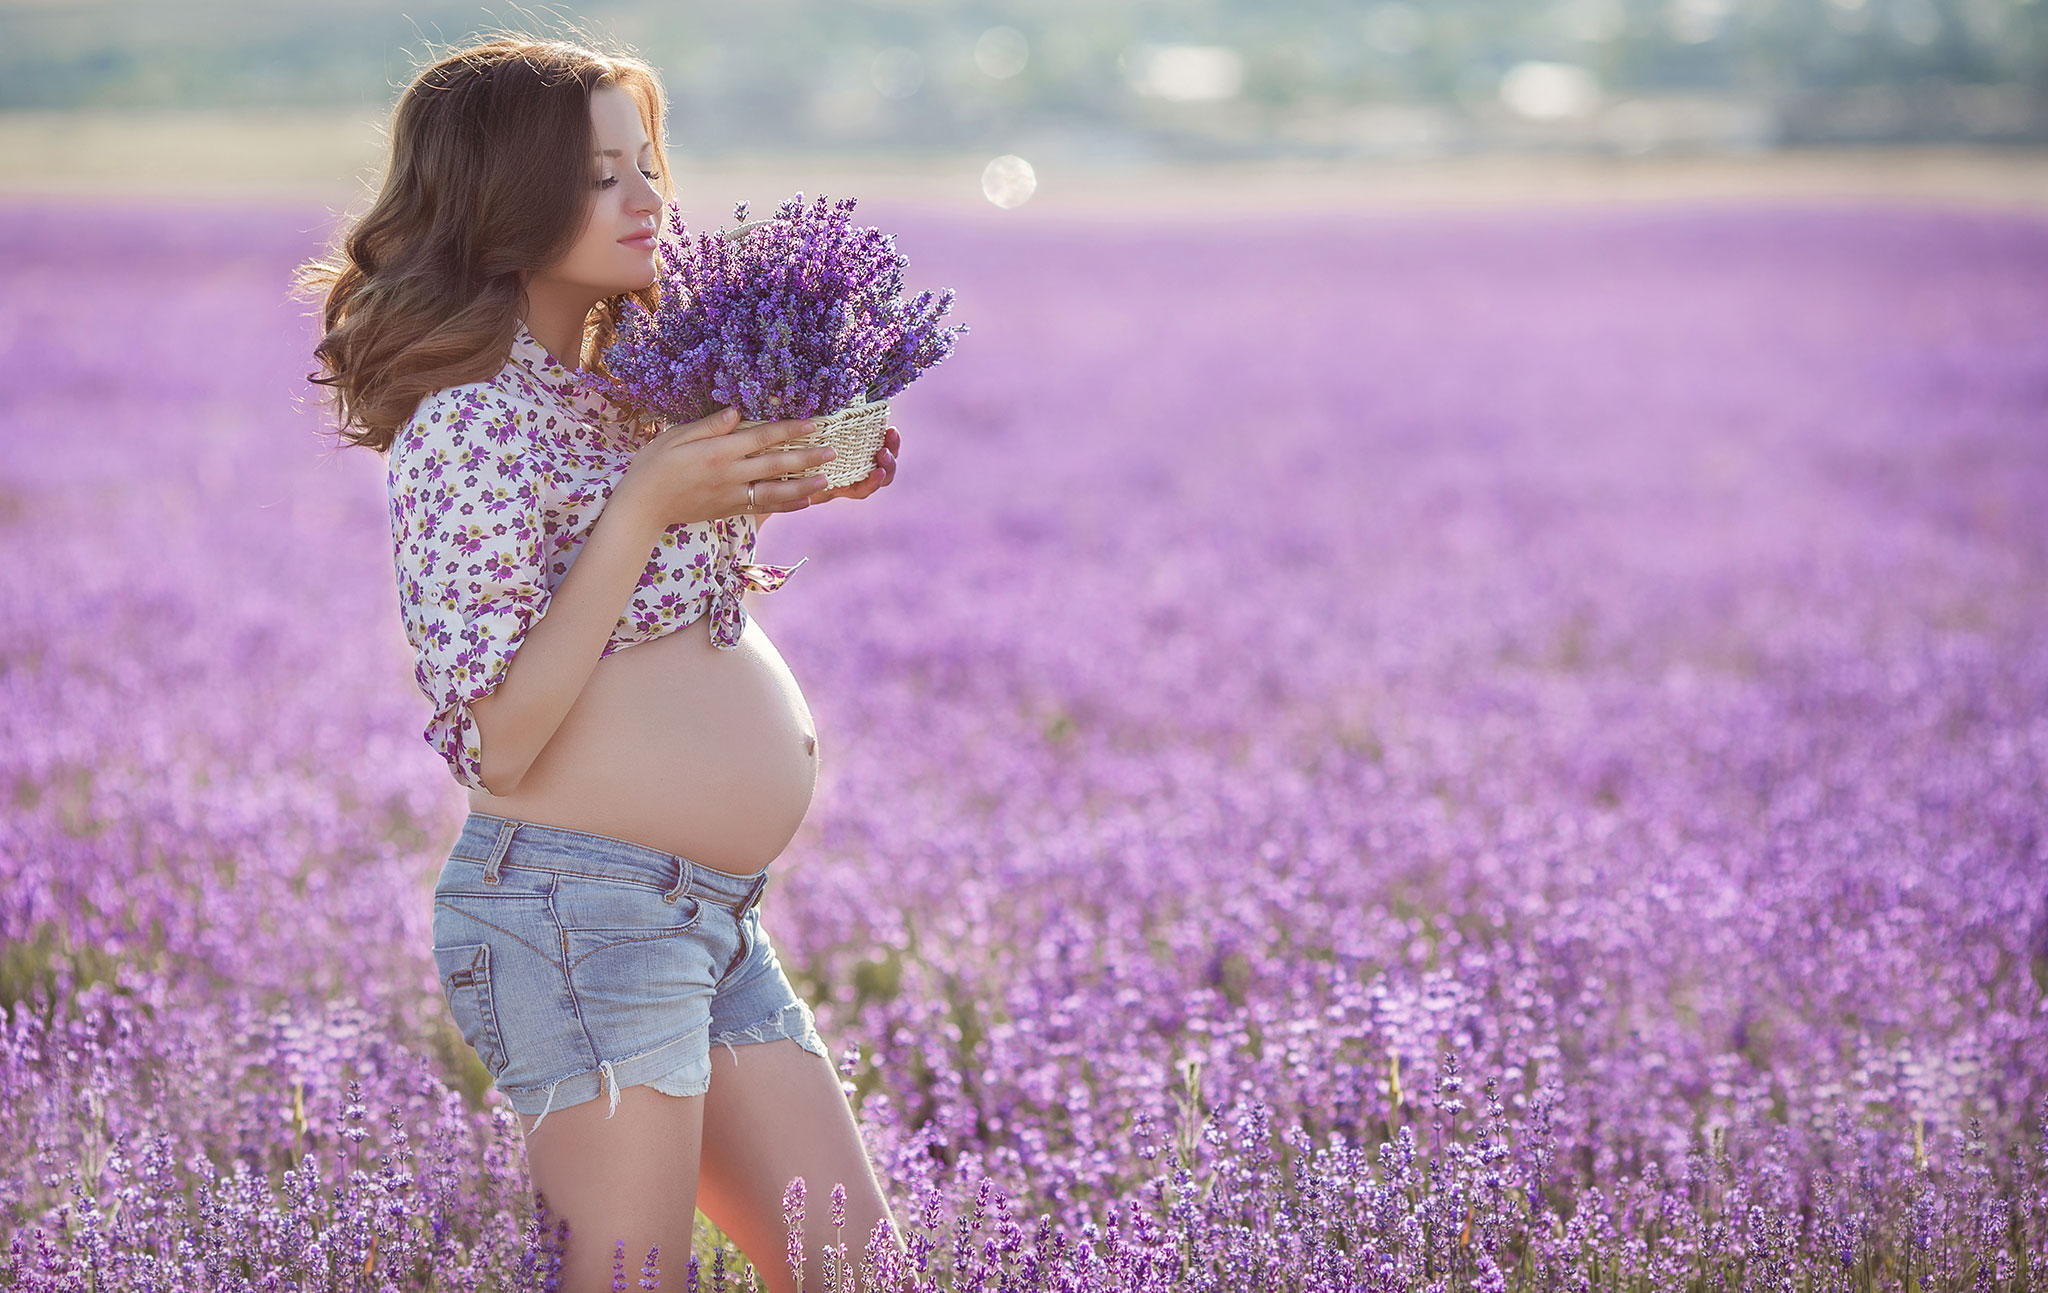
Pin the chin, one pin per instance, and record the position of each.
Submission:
(641, 281)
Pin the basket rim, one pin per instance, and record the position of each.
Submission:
(858, 406)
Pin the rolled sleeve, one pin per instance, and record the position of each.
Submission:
(467, 519)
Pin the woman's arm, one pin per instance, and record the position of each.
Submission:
(560, 652)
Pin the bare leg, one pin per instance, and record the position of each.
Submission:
(775, 1113)
(632, 1177)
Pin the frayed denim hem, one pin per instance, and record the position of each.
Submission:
(802, 1030)
(794, 1021)
(608, 1081)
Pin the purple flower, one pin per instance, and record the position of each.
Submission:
(787, 317)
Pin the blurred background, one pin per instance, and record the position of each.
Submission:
(1010, 104)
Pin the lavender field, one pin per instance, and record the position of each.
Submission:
(1493, 750)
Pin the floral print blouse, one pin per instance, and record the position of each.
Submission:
(492, 488)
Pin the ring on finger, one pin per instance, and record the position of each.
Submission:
(750, 496)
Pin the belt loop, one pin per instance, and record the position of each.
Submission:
(682, 881)
(754, 894)
(497, 857)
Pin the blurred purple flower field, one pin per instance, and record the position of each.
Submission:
(1485, 750)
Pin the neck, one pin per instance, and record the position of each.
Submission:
(555, 318)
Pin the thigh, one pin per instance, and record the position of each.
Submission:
(630, 1177)
(780, 1114)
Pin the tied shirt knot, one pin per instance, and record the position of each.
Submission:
(734, 573)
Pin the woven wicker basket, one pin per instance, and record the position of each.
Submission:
(855, 431)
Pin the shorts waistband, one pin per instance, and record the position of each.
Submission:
(496, 842)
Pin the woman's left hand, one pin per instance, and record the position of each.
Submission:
(883, 473)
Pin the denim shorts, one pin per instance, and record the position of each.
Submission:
(575, 964)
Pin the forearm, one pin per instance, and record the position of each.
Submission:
(561, 649)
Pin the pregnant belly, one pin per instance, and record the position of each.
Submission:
(675, 744)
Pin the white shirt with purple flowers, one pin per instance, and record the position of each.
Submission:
(492, 488)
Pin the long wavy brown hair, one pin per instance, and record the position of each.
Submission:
(488, 179)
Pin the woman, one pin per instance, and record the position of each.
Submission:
(595, 925)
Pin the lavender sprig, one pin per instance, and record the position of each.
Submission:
(798, 314)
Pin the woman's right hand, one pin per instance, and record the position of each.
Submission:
(699, 471)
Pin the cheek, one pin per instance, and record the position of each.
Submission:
(597, 245)
(597, 260)
(598, 237)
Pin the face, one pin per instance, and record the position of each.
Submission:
(615, 251)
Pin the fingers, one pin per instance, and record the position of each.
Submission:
(861, 488)
(879, 475)
(755, 439)
(785, 461)
(785, 495)
(885, 463)
(718, 423)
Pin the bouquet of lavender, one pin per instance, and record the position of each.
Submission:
(795, 316)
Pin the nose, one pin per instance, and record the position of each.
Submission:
(648, 199)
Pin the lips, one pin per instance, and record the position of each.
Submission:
(644, 237)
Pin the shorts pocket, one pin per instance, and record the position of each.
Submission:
(623, 934)
(465, 972)
(624, 911)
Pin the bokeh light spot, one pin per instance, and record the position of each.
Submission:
(1185, 73)
(1008, 181)
(1001, 52)
(1549, 91)
(897, 72)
